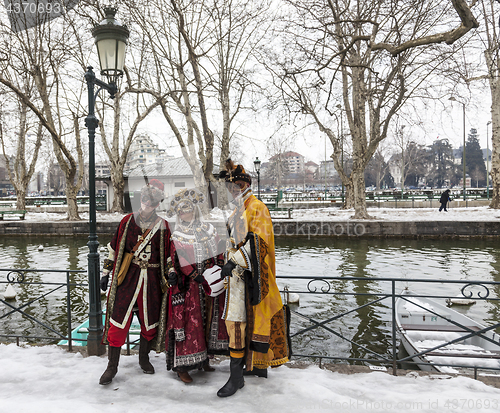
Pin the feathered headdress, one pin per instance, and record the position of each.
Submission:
(234, 173)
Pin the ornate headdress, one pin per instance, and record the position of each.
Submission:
(186, 200)
(153, 191)
(235, 173)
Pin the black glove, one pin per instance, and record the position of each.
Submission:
(104, 282)
(172, 278)
(227, 269)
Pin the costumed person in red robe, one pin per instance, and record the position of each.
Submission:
(195, 330)
(256, 320)
(144, 239)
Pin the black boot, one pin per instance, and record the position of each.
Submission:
(146, 366)
(111, 370)
(235, 381)
(256, 372)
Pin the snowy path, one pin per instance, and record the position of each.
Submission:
(49, 379)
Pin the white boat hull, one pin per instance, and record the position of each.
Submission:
(425, 324)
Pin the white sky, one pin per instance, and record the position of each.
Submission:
(444, 120)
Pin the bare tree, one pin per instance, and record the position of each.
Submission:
(200, 70)
(117, 148)
(491, 41)
(16, 130)
(46, 57)
(477, 174)
(367, 57)
(277, 145)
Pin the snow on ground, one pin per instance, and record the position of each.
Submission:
(49, 379)
(328, 214)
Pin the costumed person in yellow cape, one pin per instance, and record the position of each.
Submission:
(256, 320)
(138, 262)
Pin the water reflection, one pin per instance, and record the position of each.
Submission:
(371, 325)
(328, 257)
(44, 253)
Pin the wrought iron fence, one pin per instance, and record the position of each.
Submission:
(51, 322)
(375, 339)
(25, 277)
(340, 319)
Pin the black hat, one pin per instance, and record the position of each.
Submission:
(234, 173)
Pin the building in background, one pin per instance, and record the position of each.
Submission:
(6, 187)
(175, 173)
(143, 151)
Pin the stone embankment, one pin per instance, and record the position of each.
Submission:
(288, 228)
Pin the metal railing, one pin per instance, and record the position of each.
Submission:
(101, 201)
(19, 278)
(333, 322)
(335, 308)
(378, 197)
(56, 330)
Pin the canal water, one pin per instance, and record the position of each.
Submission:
(370, 325)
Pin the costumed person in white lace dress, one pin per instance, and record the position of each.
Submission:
(195, 330)
(144, 238)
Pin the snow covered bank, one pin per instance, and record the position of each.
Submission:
(49, 379)
(329, 214)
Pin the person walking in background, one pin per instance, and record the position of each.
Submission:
(445, 198)
(195, 330)
(138, 255)
(256, 319)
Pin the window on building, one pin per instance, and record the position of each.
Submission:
(180, 184)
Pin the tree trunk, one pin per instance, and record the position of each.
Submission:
(358, 184)
(118, 190)
(72, 205)
(495, 139)
(21, 198)
(349, 198)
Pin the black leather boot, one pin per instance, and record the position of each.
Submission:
(256, 372)
(112, 369)
(144, 362)
(235, 381)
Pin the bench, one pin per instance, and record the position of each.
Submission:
(279, 212)
(20, 213)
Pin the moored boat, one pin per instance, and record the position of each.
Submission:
(80, 333)
(440, 339)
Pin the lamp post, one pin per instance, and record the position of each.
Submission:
(256, 165)
(463, 152)
(110, 39)
(487, 162)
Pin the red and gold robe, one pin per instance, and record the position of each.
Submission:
(121, 299)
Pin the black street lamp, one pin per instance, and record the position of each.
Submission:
(111, 40)
(256, 165)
